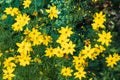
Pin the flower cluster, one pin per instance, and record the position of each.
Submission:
(55, 40)
(21, 20)
(9, 67)
(12, 11)
(99, 19)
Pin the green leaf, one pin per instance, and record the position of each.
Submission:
(39, 2)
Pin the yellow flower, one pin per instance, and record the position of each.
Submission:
(99, 48)
(99, 19)
(105, 38)
(53, 12)
(69, 48)
(16, 11)
(34, 33)
(87, 52)
(26, 3)
(96, 51)
(17, 26)
(111, 61)
(66, 71)
(94, 56)
(26, 31)
(80, 74)
(3, 17)
(94, 0)
(35, 36)
(49, 52)
(116, 57)
(46, 39)
(22, 19)
(1, 54)
(66, 31)
(8, 62)
(78, 66)
(96, 26)
(8, 74)
(9, 11)
(78, 60)
(62, 40)
(24, 47)
(59, 52)
(24, 59)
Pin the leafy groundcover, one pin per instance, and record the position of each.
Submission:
(59, 39)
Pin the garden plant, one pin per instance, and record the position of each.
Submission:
(59, 39)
